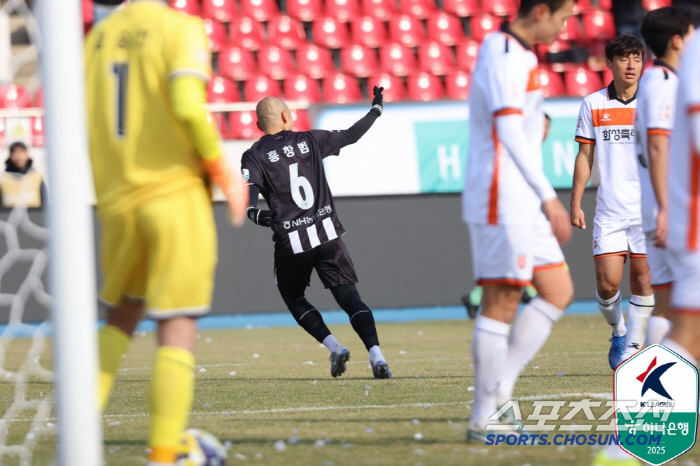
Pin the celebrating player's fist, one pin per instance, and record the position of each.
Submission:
(378, 100)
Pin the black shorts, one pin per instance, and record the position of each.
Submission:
(331, 261)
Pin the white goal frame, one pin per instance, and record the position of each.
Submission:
(71, 237)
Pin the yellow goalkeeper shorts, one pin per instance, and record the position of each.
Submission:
(162, 252)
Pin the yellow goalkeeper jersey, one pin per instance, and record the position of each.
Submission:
(138, 147)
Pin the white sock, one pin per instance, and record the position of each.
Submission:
(657, 329)
(375, 354)
(638, 313)
(529, 333)
(331, 343)
(612, 311)
(489, 350)
(679, 350)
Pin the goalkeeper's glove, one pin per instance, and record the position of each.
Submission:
(378, 101)
(260, 217)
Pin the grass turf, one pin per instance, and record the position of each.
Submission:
(282, 390)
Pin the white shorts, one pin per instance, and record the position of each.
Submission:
(509, 254)
(685, 264)
(618, 238)
(659, 265)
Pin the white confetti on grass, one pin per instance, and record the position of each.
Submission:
(309, 363)
(280, 445)
(239, 456)
(232, 373)
(320, 443)
(202, 369)
(415, 422)
(369, 430)
(419, 452)
(418, 436)
(256, 355)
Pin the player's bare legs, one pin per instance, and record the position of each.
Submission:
(490, 348)
(641, 305)
(114, 339)
(555, 291)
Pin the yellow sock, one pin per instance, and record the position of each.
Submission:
(171, 399)
(113, 344)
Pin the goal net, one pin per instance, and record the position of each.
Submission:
(47, 363)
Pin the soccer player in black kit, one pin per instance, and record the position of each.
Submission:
(286, 167)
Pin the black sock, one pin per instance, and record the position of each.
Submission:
(308, 318)
(360, 315)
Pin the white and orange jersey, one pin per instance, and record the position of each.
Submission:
(505, 81)
(684, 168)
(608, 122)
(656, 103)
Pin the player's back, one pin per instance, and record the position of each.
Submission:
(288, 167)
(504, 82)
(684, 166)
(656, 101)
(138, 147)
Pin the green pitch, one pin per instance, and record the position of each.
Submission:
(259, 386)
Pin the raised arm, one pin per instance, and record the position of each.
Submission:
(356, 131)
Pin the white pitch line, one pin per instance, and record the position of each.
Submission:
(605, 396)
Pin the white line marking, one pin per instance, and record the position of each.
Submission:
(581, 395)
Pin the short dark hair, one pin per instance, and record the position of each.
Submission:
(624, 46)
(659, 26)
(17, 145)
(526, 6)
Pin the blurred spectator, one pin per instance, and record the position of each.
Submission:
(693, 5)
(628, 16)
(20, 184)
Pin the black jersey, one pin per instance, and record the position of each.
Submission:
(288, 169)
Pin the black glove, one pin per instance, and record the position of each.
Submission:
(378, 101)
(260, 217)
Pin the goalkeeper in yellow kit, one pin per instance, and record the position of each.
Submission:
(154, 148)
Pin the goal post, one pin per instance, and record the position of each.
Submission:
(70, 220)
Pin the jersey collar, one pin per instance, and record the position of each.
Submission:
(505, 28)
(663, 64)
(612, 95)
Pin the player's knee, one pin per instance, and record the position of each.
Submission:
(640, 278)
(607, 289)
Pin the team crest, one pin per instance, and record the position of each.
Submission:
(522, 261)
(595, 243)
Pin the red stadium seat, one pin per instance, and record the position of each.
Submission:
(406, 30)
(397, 60)
(222, 90)
(380, 9)
(584, 6)
(13, 96)
(261, 10)
(599, 25)
(393, 86)
(343, 10)
(37, 124)
(302, 122)
(286, 32)
(302, 88)
(445, 28)
(305, 10)
(358, 60)
(368, 31)
(420, 9)
(436, 58)
(39, 98)
(255, 89)
(551, 83)
(315, 61)
(461, 8)
(457, 84)
(582, 81)
(482, 25)
(650, 5)
(330, 33)
(237, 63)
(246, 33)
(191, 7)
(572, 31)
(555, 47)
(341, 88)
(220, 10)
(275, 62)
(216, 32)
(243, 125)
(499, 7)
(467, 53)
(605, 4)
(88, 17)
(424, 86)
